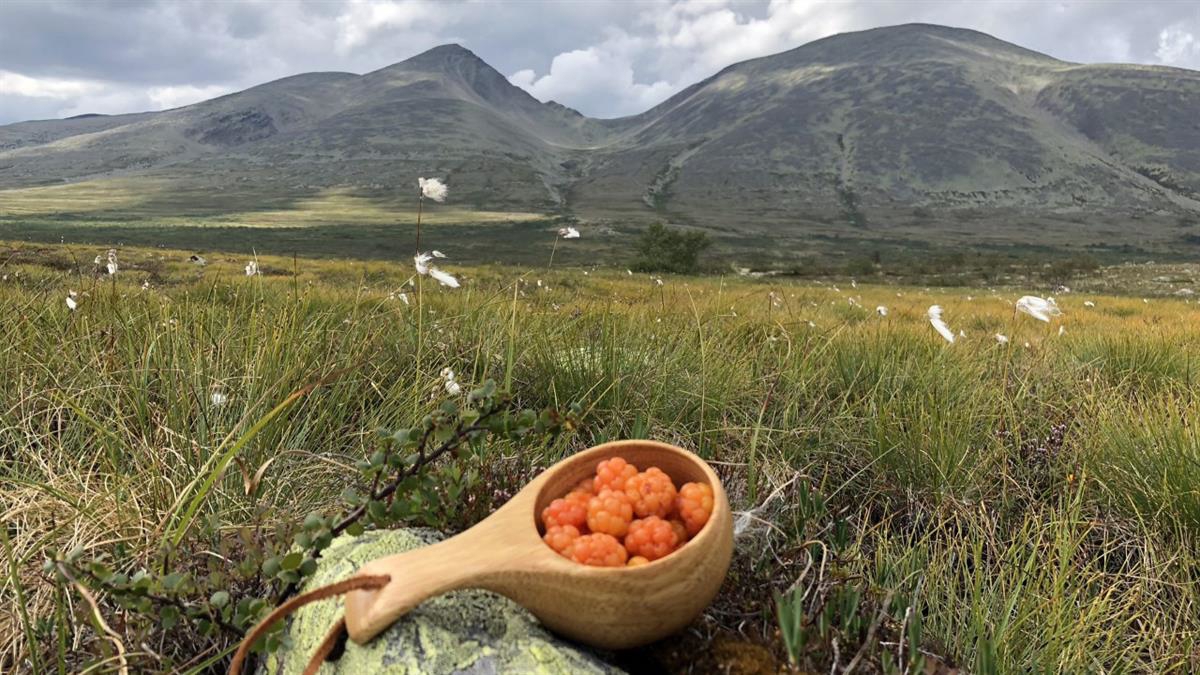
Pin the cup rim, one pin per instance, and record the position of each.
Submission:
(593, 454)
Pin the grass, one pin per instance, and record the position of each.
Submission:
(1003, 508)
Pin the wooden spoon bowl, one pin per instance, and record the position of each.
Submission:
(614, 608)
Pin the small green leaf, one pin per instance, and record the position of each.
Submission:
(168, 616)
(219, 599)
(173, 581)
(292, 561)
(377, 511)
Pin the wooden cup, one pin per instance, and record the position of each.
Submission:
(613, 608)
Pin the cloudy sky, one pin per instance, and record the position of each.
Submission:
(604, 58)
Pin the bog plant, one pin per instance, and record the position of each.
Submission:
(412, 477)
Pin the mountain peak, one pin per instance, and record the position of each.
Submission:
(450, 56)
(917, 41)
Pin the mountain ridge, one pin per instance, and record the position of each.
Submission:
(892, 131)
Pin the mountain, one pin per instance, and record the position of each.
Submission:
(904, 134)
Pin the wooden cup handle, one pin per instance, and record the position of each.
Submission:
(463, 561)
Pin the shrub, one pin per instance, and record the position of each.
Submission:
(664, 249)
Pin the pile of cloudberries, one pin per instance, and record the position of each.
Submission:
(625, 517)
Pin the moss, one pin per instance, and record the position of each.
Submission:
(468, 631)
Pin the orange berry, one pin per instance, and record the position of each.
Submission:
(636, 561)
(560, 538)
(681, 532)
(694, 505)
(612, 474)
(564, 512)
(600, 550)
(651, 538)
(610, 512)
(580, 497)
(586, 485)
(652, 493)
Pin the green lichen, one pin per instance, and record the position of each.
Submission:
(470, 632)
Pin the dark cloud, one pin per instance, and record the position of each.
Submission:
(60, 57)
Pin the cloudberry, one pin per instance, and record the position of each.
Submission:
(565, 512)
(560, 537)
(610, 512)
(586, 485)
(652, 493)
(636, 560)
(681, 532)
(612, 474)
(601, 550)
(580, 497)
(651, 538)
(694, 505)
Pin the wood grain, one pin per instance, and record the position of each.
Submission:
(613, 608)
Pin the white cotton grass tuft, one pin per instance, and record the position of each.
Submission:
(881, 310)
(1002, 338)
(1088, 303)
(450, 383)
(568, 233)
(658, 282)
(218, 397)
(197, 260)
(71, 302)
(252, 268)
(935, 319)
(422, 260)
(433, 189)
(112, 265)
(444, 278)
(1041, 309)
(437, 254)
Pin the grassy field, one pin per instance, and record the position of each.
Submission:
(261, 213)
(912, 504)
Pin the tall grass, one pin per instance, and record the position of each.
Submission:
(1036, 507)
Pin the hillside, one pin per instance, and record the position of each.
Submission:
(912, 133)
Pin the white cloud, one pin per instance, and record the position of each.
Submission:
(1177, 46)
(163, 98)
(363, 20)
(603, 75)
(64, 98)
(16, 84)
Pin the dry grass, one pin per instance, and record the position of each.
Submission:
(1035, 505)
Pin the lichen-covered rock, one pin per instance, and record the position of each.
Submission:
(468, 632)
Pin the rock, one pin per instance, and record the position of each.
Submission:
(471, 632)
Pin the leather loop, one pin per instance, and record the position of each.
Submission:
(366, 582)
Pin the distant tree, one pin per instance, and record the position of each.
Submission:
(665, 249)
(1063, 271)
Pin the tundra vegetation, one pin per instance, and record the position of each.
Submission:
(173, 435)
